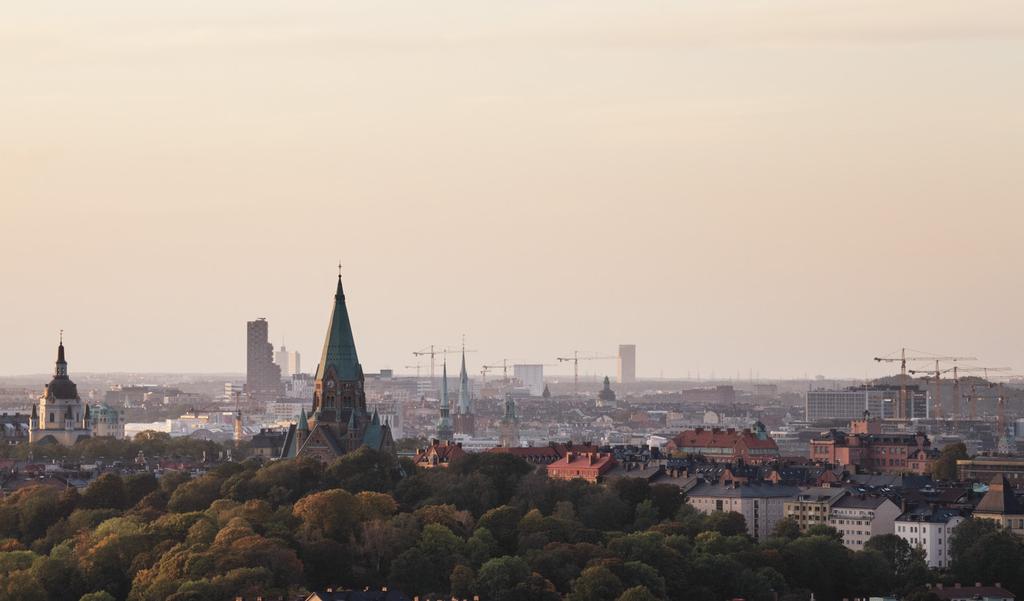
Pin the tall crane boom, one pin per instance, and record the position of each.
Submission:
(575, 359)
(903, 408)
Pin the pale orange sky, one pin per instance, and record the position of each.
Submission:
(785, 186)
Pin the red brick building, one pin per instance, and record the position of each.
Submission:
(547, 454)
(870, 449)
(588, 466)
(438, 454)
(728, 445)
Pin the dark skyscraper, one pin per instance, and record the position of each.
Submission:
(262, 375)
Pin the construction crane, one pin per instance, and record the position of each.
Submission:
(957, 393)
(416, 367)
(433, 351)
(903, 408)
(937, 401)
(972, 398)
(485, 368)
(575, 359)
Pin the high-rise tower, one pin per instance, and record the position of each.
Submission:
(627, 363)
(262, 375)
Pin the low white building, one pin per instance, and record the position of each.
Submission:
(761, 505)
(929, 529)
(858, 517)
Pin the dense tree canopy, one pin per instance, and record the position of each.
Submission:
(490, 525)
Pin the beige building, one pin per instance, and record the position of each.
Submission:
(60, 417)
(1000, 505)
(107, 421)
(813, 506)
(761, 505)
(858, 517)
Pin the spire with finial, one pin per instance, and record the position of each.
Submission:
(62, 364)
(444, 388)
(464, 394)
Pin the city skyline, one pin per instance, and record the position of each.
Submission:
(790, 189)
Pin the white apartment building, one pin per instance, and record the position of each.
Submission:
(929, 530)
(761, 505)
(858, 517)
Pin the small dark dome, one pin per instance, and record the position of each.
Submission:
(61, 387)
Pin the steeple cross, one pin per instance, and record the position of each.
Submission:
(339, 269)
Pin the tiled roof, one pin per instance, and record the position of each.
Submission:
(1000, 498)
(719, 438)
(753, 491)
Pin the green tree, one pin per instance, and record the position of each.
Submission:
(330, 514)
(98, 596)
(728, 523)
(944, 467)
(463, 582)
(106, 492)
(596, 583)
(21, 586)
(499, 576)
(903, 561)
(787, 528)
(502, 522)
(637, 593)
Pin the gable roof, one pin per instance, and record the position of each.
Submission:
(1000, 498)
(328, 436)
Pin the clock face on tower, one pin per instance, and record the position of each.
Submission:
(330, 384)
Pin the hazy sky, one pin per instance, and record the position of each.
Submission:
(787, 187)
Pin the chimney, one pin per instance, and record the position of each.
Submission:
(568, 457)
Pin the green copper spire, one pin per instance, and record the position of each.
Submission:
(339, 345)
(303, 424)
(464, 400)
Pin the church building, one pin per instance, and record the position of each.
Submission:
(60, 417)
(338, 423)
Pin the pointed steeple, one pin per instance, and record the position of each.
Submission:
(444, 423)
(61, 369)
(375, 420)
(464, 398)
(303, 424)
(339, 350)
(444, 389)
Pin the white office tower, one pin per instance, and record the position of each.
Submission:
(627, 363)
(532, 377)
(289, 362)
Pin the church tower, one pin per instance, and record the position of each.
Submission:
(465, 422)
(338, 387)
(508, 427)
(61, 417)
(444, 422)
(338, 423)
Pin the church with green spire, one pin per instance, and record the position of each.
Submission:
(338, 422)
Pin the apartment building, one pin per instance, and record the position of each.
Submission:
(858, 517)
(812, 506)
(761, 505)
(929, 529)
